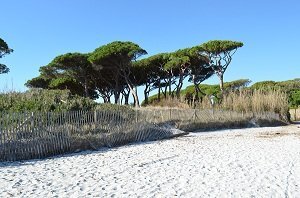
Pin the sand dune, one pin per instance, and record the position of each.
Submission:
(260, 162)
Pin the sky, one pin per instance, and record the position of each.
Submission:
(40, 30)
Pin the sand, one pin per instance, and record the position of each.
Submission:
(255, 162)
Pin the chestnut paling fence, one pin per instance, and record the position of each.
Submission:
(39, 134)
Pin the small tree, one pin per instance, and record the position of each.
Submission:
(104, 82)
(38, 82)
(77, 66)
(149, 72)
(117, 57)
(220, 54)
(53, 76)
(4, 50)
(178, 65)
(295, 99)
(199, 70)
(237, 84)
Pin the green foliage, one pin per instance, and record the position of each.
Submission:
(4, 50)
(43, 100)
(68, 83)
(220, 54)
(152, 66)
(215, 89)
(70, 71)
(38, 82)
(152, 100)
(77, 70)
(113, 69)
(220, 46)
(115, 53)
(207, 89)
(294, 99)
(265, 85)
(190, 90)
(290, 87)
(176, 59)
(115, 60)
(3, 69)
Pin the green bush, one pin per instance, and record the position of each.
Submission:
(294, 99)
(44, 100)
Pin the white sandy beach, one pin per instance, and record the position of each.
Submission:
(257, 162)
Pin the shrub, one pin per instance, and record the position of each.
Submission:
(43, 100)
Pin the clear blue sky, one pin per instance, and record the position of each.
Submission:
(39, 30)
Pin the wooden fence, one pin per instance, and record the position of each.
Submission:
(295, 114)
(38, 135)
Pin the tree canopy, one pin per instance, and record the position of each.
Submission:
(4, 50)
(77, 67)
(116, 70)
(220, 54)
(116, 58)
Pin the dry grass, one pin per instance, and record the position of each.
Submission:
(256, 102)
(92, 130)
(246, 101)
(170, 102)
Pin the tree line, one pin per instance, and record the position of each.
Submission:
(116, 70)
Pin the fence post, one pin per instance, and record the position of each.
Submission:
(95, 117)
(136, 115)
(32, 121)
(170, 114)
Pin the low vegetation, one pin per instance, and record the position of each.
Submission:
(43, 100)
(266, 96)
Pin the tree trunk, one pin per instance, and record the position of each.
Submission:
(117, 97)
(221, 82)
(133, 91)
(196, 95)
(136, 98)
(197, 91)
(117, 90)
(170, 86)
(179, 86)
(125, 94)
(105, 100)
(106, 97)
(126, 99)
(159, 89)
(146, 94)
(165, 92)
